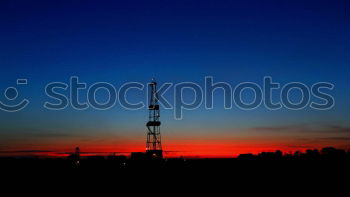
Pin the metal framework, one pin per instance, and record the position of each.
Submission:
(154, 144)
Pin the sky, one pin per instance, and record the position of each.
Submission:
(174, 41)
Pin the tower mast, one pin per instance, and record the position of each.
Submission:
(154, 144)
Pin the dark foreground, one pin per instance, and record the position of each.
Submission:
(265, 175)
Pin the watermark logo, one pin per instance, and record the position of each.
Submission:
(184, 95)
(11, 95)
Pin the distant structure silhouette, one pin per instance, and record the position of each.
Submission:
(77, 153)
(154, 144)
(75, 157)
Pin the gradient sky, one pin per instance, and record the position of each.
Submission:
(174, 41)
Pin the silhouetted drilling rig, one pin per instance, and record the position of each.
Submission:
(154, 142)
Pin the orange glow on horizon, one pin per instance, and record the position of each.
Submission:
(177, 148)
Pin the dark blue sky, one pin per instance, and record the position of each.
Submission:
(174, 41)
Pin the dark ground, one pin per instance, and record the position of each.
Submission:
(269, 174)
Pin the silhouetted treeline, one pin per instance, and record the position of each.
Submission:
(314, 172)
(328, 153)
